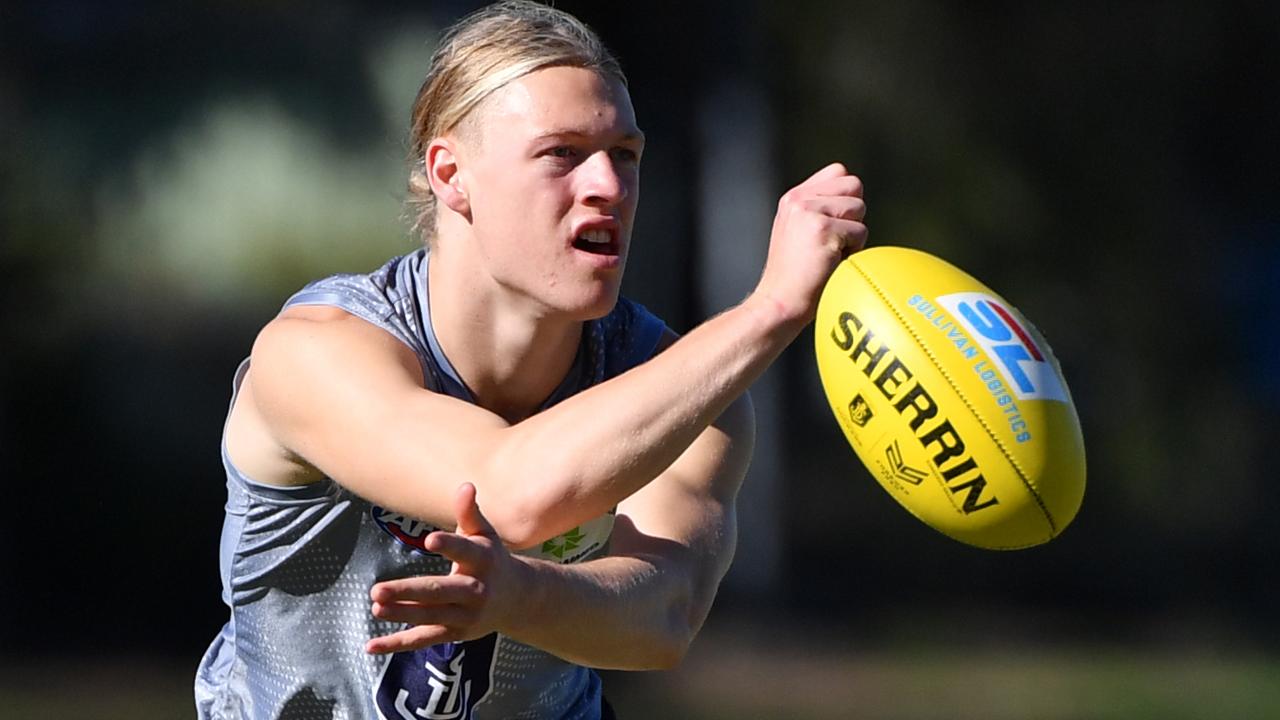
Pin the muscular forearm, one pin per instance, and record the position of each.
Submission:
(342, 394)
(613, 439)
(596, 448)
(623, 613)
(638, 609)
(340, 398)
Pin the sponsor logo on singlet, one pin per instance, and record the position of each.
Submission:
(407, 530)
(566, 543)
(441, 682)
(578, 544)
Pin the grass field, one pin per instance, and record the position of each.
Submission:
(1025, 685)
(733, 673)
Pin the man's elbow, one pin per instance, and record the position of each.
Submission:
(527, 523)
(519, 530)
(669, 648)
(521, 515)
(669, 653)
(534, 509)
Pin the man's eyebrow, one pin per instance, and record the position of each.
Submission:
(631, 136)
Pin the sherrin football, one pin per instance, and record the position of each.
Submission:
(951, 399)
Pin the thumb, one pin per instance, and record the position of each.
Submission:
(470, 520)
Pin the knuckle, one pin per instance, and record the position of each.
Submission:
(792, 199)
(820, 224)
(475, 587)
(857, 209)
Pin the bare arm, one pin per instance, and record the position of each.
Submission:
(347, 398)
(335, 391)
(638, 608)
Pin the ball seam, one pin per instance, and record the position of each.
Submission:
(1013, 462)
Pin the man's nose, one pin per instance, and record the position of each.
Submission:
(602, 183)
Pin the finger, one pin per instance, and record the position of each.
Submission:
(470, 520)
(432, 589)
(853, 236)
(847, 185)
(842, 207)
(446, 616)
(834, 170)
(842, 237)
(462, 550)
(413, 638)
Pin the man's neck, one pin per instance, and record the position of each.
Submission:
(511, 354)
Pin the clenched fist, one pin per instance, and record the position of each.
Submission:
(819, 223)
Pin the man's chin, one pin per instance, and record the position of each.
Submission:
(594, 308)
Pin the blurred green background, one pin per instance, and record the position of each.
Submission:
(171, 171)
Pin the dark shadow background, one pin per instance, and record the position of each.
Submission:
(1109, 168)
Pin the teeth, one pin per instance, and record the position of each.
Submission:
(597, 237)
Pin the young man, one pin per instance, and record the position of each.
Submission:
(584, 461)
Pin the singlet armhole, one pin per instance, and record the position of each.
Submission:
(324, 484)
(310, 490)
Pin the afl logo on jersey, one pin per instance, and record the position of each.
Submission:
(407, 530)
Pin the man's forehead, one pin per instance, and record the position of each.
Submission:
(564, 100)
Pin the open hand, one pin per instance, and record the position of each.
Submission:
(468, 603)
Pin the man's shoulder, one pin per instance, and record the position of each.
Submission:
(314, 336)
(397, 276)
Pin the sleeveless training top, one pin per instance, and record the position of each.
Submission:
(297, 562)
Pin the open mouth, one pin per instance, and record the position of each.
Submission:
(596, 242)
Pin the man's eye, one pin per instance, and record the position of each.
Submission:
(562, 151)
(626, 155)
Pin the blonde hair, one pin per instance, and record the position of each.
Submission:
(480, 54)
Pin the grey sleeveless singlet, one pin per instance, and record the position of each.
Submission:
(297, 562)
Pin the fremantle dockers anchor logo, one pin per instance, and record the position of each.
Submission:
(442, 682)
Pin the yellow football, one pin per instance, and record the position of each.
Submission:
(952, 400)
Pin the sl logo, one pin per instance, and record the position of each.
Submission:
(1024, 367)
(562, 544)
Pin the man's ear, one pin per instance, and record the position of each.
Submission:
(445, 175)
